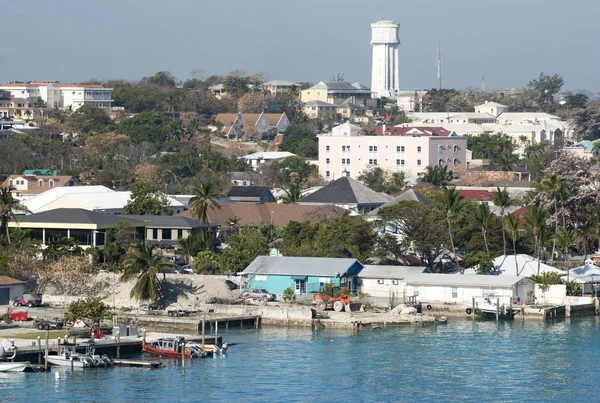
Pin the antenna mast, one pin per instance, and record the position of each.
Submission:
(482, 83)
(439, 67)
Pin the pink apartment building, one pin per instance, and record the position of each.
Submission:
(349, 150)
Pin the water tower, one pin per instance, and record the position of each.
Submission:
(384, 77)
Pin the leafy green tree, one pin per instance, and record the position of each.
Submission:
(162, 79)
(91, 309)
(89, 119)
(450, 199)
(577, 100)
(39, 103)
(506, 160)
(242, 247)
(502, 199)
(151, 126)
(236, 86)
(143, 264)
(512, 225)
(381, 181)
(8, 208)
(535, 222)
(200, 239)
(544, 88)
(147, 199)
(62, 247)
(481, 260)
(300, 140)
(565, 238)
(488, 145)
(205, 198)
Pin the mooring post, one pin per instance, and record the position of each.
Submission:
(497, 308)
(510, 305)
(118, 344)
(182, 354)
(46, 350)
(256, 323)
(203, 327)
(216, 333)
(39, 342)
(473, 309)
(144, 337)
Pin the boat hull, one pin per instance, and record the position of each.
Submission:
(61, 362)
(165, 353)
(14, 366)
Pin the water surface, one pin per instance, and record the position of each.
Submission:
(463, 361)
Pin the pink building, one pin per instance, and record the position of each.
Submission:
(349, 150)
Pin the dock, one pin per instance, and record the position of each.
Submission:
(138, 363)
(211, 321)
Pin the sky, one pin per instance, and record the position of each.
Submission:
(508, 42)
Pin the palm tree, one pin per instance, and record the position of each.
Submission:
(502, 199)
(292, 194)
(141, 262)
(483, 215)
(8, 206)
(512, 226)
(506, 160)
(596, 149)
(535, 221)
(437, 175)
(556, 187)
(565, 238)
(201, 238)
(585, 234)
(233, 221)
(450, 199)
(205, 198)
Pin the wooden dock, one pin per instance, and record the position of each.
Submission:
(138, 363)
(211, 321)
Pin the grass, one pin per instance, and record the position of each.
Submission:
(54, 334)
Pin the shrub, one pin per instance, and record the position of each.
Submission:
(288, 295)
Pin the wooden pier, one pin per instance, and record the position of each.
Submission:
(211, 321)
(138, 363)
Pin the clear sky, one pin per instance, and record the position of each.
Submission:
(510, 41)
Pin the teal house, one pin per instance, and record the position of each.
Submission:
(304, 275)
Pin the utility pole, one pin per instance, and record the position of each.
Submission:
(439, 66)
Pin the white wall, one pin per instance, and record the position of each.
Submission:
(381, 294)
(556, 295)
(466, 294)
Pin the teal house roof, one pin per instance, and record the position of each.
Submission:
(46, 172)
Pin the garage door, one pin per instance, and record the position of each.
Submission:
(4, 296)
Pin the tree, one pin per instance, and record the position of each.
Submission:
(162, 79)
(502, 199)
(242, 248)
(39, 103)
(512, 226)
(147, 199)
(483, 215)
(586, 121)
(450, 199)
(236, 86)
(437, 175)
(205, 198)
(291, 195)
(544, 87)
(556, 188)
(200, 239)
(535, 222)
(151, 126)
(577, 100)
(91, 309)
(489, 145)
(565, 238)
(299, 140)
(142, 263)
(482, 261)
(89, 119)
(381, 181)
(506, 160)
(8, 208)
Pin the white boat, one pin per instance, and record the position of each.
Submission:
(14, 366)
(69, 357)
(490, 306)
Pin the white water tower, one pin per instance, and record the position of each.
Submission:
(384, 77)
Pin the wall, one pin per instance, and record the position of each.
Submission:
(463, 293)
(277, 283)
(15, 291)
(382, 294)
(554, 296)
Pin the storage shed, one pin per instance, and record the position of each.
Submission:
(462, 288)
(10, 289)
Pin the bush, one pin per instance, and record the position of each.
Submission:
(91, 309)
(288, 295)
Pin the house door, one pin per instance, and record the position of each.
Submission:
(300, 286)
(4, 296)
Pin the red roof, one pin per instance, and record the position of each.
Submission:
(477, 195)
(519, 214)
(414, 261)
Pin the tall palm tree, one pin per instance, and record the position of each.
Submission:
(450, 199)
(437, 175)
(291, 195)
(506, 160)
(512, 226)
(565, 238)
(8, 206)
(205, 198)
(140, 262)
(483, 216)
(535, 221)
(555, 187)
(502, 199)
(200, 239)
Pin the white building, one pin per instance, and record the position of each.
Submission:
(384, 285)
(262, 157)
(58, 95)
(385, 73)
(348, 151)
(462, 288)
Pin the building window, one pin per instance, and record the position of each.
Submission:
(155, 233)
(372, 161)
(402, 162)
(41, 182)
(419, 149)
(348, 174)
(166, 234)
(327, 161)
(51, 183)
(343, 161)
(441, 149)
(454, 292)
(455, 162)
(327, 174)
(380, 281)
(327, 148)
(455, 149)
(440, 162)
(179, 233)
(395, 282)
(418, 163)
(372, 149)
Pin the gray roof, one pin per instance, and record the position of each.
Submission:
(248, 191)
(75, 216)
(345, 190)
(389, 272)
(473, 280)
(306, 266)
(240, 175)
(166, 221)
(341, 86)
(407, 195)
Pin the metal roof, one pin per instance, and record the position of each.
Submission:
(305, 266)
(166, 221)
(407, 195)
(247, 191)
(345, 190)
(389, 272)
(72, 216)
(472, 280)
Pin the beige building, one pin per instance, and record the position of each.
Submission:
(347, 151)
(275, 87)
(338, 92)
(236, 125)
(319, 110)
(25, 186)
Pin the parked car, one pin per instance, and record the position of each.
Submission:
(30, 300)
(259, 293)
(231, 285)
(187, 269)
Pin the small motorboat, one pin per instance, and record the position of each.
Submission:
(211, 349)
(15, 366)
(172, 347)
(69, 357)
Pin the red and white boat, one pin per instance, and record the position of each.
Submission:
(172, 347)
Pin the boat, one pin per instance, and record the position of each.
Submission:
(69, 357)
(172, 346)
(15, 366)
(490, 307)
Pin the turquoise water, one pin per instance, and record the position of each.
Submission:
(463, 361)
